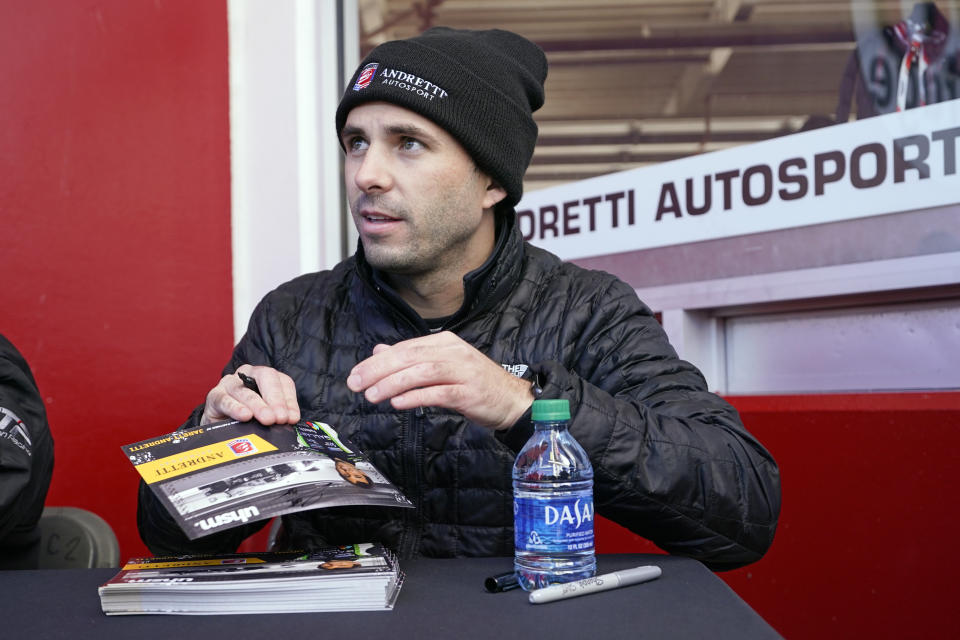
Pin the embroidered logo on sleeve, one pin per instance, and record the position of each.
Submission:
(13, 430)
(517, 370)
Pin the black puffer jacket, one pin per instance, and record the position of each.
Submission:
(672, 462)
(26, 460)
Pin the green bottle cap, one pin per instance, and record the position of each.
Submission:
(551, 410)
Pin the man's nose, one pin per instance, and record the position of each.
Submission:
(373, 174)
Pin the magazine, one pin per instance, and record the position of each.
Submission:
(221, 475)
(360, 577)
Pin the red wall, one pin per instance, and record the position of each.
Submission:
(115, 214)
(115, 225)
(864, 544)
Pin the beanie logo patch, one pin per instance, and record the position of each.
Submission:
(412, 83)
(366, 76)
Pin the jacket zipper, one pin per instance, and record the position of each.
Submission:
(413, 518)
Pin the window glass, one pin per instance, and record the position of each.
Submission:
(637, 82)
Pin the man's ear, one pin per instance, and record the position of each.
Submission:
(495, 193)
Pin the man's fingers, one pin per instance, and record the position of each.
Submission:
(282, 396)
(269, 404)
(276, 402)
(384, 361)
(388, 360)
(443, 395)
(222, 405)
(441, 370)
(229, 407)
(380, 348)
(424, 374)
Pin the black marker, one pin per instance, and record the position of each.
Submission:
(502, 582)
(249, 383)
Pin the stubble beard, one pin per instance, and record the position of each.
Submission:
(433, 244)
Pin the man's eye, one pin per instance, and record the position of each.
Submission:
(411, 144)
(357, 144)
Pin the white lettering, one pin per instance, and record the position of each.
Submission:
(550, 515)
(897, 162)
(219, 520)
(580, 513)
(411, 82)
(586, 514)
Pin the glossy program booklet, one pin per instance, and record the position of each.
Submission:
(360, 577)
(224, 474)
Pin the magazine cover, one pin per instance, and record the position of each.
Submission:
(224, 474)
(359, 577)
(330, 563)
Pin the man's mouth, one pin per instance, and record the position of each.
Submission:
(377, 217)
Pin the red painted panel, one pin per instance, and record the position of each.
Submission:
(115, 207)
(864, 543)
(865, 540)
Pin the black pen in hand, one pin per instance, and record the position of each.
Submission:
(249, 382)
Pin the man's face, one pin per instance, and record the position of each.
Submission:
(350, 473)
(417, 198)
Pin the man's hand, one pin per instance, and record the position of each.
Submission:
(441, 370)
(275, 404)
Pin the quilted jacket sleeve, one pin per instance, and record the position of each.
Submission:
(672, 461)
(26, 459)
(157, 528)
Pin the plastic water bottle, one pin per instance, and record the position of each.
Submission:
(552, 503)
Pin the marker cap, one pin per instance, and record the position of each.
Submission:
(502, 582)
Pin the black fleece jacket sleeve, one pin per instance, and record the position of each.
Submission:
(672, 461)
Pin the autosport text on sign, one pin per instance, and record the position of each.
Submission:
(892, 163)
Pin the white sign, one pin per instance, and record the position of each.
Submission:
(891, 163)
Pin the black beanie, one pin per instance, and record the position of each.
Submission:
(482, 87)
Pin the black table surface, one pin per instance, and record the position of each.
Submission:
(439, 599)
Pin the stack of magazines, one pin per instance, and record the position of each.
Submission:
(218, 476)
(361, 577)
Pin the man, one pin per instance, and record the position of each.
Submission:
(26, 461)
(349, 472)
(428, 347)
